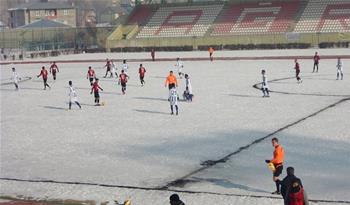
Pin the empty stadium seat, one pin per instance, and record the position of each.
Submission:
(325, 16)
(256, 18)
(184, 21)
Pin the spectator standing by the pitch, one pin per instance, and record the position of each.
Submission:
(277, 161)
(316, 62)
(211, 52)
(153, 54)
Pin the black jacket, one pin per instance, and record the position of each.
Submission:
(177, 202)
(286, 186)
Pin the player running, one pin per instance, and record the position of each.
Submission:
(91, 75)
(54, 70)
(95, 89)
(316, 62)
(265, 87)
(73, 96)
(108, 68)
(211, 52)
(277, 161)
(44, 75)
(15, 78)
(125, 67)
(142, 71)
(173, 101)
(340, 69)
(179, 66)
(297, 71)
(123, 79)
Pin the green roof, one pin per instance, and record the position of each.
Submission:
(44, 23)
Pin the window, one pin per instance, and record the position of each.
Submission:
(37, 13)
(65, 12)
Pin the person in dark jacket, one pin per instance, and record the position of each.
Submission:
(292, 189)
(175, 200)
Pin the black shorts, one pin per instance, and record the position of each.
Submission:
(45, 80)
(91, 79)
(108, 68)
(97, 95)
(278, 170)
(142, 77)
(123, 84)
(172, 85)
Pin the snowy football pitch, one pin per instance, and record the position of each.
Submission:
(133, 141)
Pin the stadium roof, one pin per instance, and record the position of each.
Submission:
(42, 5)
(44, 23)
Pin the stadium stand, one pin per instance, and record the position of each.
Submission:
(141, 15)
(325, 16)
(256, 18)
(181, 21)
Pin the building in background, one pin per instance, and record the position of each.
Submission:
(28, 13)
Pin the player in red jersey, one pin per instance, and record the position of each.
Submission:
(54, 70)
(91, 75)
(316, 62)
(108, 66)
(123, 79)
(95, 89)
(297, 71)
(142, 71)
(44, 74)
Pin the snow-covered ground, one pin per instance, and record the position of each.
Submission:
(134, 141)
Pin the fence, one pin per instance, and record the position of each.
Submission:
(40, 39)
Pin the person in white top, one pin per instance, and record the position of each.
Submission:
(72, 96)
(173, 101)
(15, 78)
(265, 87)
(340, 69)
(179, 66)
(114, 69)
(125, 67)
(188, 95)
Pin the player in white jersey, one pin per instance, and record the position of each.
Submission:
(114, 69)
(179, 66)
(265, 87)
(125, 67)
(188, 95)
(340, 69)
(72, 95)
(173, 101)
(15, 78)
